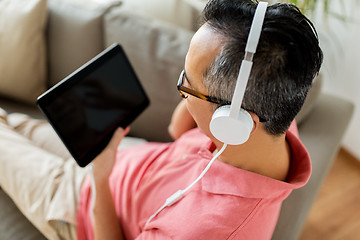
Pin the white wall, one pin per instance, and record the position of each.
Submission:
(340, 41)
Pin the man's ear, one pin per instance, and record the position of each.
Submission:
(256, 121)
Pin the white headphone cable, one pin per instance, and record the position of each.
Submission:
(93, 192)
(180, 193)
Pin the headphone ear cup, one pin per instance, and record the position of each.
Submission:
(228, 129)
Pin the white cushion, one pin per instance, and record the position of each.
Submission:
(22, 49)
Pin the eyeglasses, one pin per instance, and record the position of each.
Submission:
(194, 93)
(182, 90)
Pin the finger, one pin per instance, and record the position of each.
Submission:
(117, 137)
(127, 130)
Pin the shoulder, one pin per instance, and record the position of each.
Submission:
(300, 169)
(294, 129)
(193, 138)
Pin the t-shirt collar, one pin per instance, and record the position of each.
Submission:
(223, 178)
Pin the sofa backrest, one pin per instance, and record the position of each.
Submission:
(74, 34)
(157, 50)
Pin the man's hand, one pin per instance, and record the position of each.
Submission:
(104, 162)
(106, 223)
(181, 121)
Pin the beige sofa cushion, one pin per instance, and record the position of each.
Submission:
(157, 52)
(177, 12)
(75, 34)
(22, 49)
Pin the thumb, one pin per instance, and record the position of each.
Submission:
(117, 137)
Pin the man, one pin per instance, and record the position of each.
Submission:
(241, 194)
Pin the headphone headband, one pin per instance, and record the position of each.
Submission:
(231, 124)
(256, 26)
(246, 65)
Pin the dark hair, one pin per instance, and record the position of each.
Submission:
(287, 59)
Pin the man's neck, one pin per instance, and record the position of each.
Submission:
(262, 154)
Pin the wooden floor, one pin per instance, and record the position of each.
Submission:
(336, 212)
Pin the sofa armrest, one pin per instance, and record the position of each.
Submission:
(321, 132)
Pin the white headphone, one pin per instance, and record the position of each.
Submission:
(231, 124)
(225, 126)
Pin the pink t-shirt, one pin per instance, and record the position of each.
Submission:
(227, 203)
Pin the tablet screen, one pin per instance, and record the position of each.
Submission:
(86, 107)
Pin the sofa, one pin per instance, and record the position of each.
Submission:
(41, 42)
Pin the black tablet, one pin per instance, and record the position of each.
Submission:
(87, 106)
